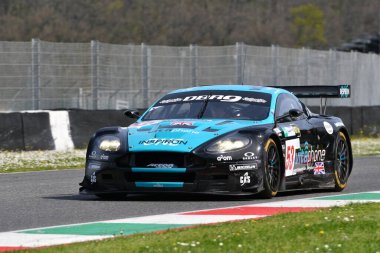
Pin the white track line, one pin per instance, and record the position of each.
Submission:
(11, 239)
(184, 219)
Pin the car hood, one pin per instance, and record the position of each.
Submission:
(179, 135)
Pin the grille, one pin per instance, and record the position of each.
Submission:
(143, 159)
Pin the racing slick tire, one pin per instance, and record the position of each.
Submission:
(342, 162)
(111, 196)
(272, 170)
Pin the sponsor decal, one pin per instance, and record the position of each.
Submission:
(344, 91)
(222, 98)
(104, 157)
(308, 156)
(167, 101)
(304, 156)
(297, 130)
(92, 166)
(245, 179)
(339, 124)
(182, 123)
(144, 123)
(299, 170)
(169, 142)
(289, 131)
(290, 152)
(249, 156)
(224, 158)
(319, 168)
(92, 155)
(238, 167)
(328, 127)
(161, 165)
(255, 100)
(93, 178)
(277, 131)
(181, 130)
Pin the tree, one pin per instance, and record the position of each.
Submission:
(308, 25)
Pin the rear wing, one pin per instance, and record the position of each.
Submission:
(322, 91)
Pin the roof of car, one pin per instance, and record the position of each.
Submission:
(237, 87)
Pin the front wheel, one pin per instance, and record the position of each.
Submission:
(272, 170)
(342, 162)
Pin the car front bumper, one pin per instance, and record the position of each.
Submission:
(195, 175)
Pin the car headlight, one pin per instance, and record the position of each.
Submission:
(229, 143)
(111, 145)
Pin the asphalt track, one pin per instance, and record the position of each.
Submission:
(39, 199)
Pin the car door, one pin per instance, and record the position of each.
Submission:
(298, 137)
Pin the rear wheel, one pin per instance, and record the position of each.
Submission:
(342, 162)
(272, 170)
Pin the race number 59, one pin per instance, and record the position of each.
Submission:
(290, 152)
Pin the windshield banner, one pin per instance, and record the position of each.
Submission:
(218, 96)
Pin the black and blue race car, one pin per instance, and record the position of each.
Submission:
(223, 139)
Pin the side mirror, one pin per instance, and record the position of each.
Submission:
(295, 113)
(133, 114)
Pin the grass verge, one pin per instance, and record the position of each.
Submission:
(41, 160)
(365, 146)
(353, 228)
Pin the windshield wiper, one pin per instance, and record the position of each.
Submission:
(203, 109)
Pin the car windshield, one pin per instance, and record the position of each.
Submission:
(214, 104)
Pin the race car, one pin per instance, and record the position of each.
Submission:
(223, 139)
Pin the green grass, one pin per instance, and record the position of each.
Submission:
(74, 159)
(23, 161)
(353, 228)
(365, 146)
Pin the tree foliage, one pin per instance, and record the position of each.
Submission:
(308, 25)
(322, 24)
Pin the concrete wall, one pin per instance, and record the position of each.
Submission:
(43, 130)
(25, 131)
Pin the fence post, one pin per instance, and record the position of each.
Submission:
(354, 77)
(239, 65)
(194, 64)
(275, 64)
(36, 93)
(94, 73)
(144, 75)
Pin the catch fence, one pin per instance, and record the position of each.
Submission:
(44, 75)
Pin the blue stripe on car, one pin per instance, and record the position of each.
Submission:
(159, 184)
